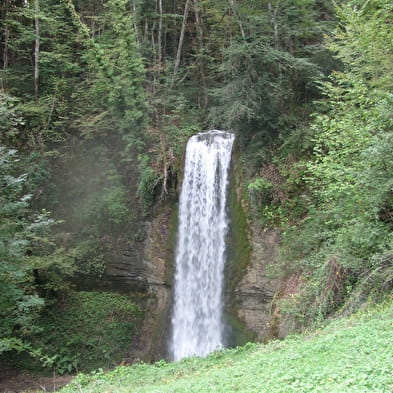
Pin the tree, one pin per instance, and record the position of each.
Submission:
(20, 302)
(345, 244)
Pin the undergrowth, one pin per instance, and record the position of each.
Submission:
(85, 331)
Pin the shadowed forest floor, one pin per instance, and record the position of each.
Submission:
(31, 383)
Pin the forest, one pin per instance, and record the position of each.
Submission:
(97, 101)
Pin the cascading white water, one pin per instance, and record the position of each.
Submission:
(197, 327)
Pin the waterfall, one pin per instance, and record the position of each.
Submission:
(197, 327)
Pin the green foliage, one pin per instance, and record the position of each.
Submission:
(259, 184)
(86, 330)
(259, 86)
(149, 179)
(89, 257)
(345, 242)
(10, 118)
(45, 120)
(259, 191)
(107, 207)
(238, 250)
(114, 204)
(160, 166)
(271, 74)
(26, 248)
(120, 73)
(351, 355)
(180, 122)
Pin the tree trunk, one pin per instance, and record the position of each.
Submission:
(181, 39)
(237, 16)
(134, 18)
(274, 22)
(201, 63)
(36, 49)
(146, 32)
(6, 35)
(159, 39)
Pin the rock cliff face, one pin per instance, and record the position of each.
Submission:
(158, 265)
(143, 270)
(251, 249)
(254, 293)
(125, 269)
(153, 271)
(141, 266)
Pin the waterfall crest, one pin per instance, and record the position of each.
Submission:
(197, 327)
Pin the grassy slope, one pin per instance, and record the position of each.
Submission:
(350, 355)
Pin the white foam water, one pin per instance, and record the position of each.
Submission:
(197, 326)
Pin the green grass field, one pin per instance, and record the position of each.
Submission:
(350, 355)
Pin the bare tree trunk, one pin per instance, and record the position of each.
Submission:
(146, 31)
(201, 64)
(6, 35)
(159, 39)
(134, 10)
(36, 49)
(181, 40)
(239, 21)
(5, 52)
(153, 43)
(276, 39)
(274, 22)
(164, 190)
